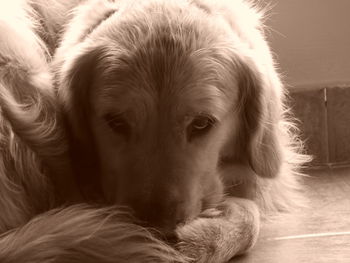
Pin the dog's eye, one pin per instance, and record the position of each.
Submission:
(200, 123)
(117, 123)
(200, 126)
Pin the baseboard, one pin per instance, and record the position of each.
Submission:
(324, 121)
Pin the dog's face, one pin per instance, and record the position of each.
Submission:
(157, 96)
(160, 118)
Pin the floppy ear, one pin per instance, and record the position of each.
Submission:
(75, 95)
(260, 113)
(258, 142)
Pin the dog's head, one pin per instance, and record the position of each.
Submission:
(162, 96)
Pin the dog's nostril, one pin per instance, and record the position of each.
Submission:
(171, 237)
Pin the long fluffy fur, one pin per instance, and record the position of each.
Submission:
(83, 234)
(36, 176)
(23, 184)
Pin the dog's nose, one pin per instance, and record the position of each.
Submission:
(169, 237)
(164, 218)
(165, 222)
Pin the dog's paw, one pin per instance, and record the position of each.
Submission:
(221, 233)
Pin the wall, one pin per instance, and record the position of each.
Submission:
(311, 40)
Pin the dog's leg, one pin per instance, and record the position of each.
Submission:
(230, 230)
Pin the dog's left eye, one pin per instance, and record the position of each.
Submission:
(200, 126)
(118, 124)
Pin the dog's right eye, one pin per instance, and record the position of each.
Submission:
(117, 123)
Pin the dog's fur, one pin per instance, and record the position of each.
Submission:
(137, 81)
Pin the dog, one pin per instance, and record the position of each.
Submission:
(169, 108)
(166, 99)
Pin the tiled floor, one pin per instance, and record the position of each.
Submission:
(316, 234)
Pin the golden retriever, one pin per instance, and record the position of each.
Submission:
(173, 109)
(165, 99)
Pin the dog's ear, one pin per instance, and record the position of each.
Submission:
(74, 92)
(259, 136)
(260, 110)
(259, 139)
(75, 87)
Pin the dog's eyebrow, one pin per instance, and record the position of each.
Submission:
(208, 99)
(213, 117)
